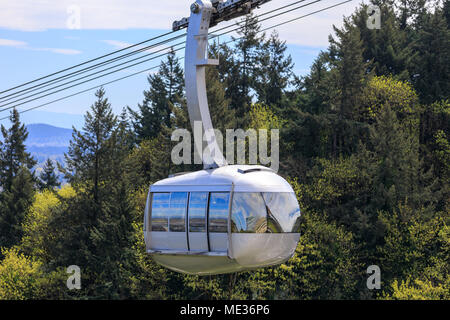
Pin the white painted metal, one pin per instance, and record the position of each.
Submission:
(196, 60)
(223, 178)
(255, 249)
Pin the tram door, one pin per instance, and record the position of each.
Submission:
(218, 221)
(197, 216)
(208, 221)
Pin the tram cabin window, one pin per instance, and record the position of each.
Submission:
(249, 213)
(177, 212)
(198, 202)
(219, 206)
(267, 212)
(159, 213)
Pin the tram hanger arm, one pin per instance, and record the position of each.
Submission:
(223, 11)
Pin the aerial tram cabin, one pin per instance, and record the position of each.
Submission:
(221, 220)
(225, 218)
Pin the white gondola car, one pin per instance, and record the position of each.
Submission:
(222, 220)
(225, 218)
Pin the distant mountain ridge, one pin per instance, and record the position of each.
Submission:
(46, 141)
(44, 135)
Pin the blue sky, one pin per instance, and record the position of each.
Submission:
(36, 38)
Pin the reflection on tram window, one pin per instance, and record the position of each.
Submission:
(248, 213)
(218, 212)
(272, 224)
(197, 211)
(265, 212)
(160, 208)
(177, 213)
(283, 212)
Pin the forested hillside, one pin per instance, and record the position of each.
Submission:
(365, 141)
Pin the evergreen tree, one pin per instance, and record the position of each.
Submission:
(13, 154)
(166, 88)
(430, 64)
(350, 69)
(315, 87)
(14, 204)
(16, 181)
(386, 47)
(48, 178)
(91, 149)
(275, 71)
(398, 175)
(102, 209)
(242, 77)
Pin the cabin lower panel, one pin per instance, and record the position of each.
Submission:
(198, 264)
(253, 250)
(167, 240)
(244, 251)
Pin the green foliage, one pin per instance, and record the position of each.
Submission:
(13, 155)
(39, 237)
(48, 178)
(325, 264)
(382, 92)
(349, 69)
(262, 117)
(19, 276)
(414, 254)
(272, 78)
(431, 61)
(414, 245)
(418, 290)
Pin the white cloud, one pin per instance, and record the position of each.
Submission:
(23, 45)
(34, 15)
(58, 50)
(12, 43)
(117, 44)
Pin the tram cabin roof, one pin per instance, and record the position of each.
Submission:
(237, 178)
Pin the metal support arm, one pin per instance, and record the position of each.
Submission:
(196, 60)
(204, 14)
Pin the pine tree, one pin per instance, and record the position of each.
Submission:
(242, 77)
(16, 181)
(398, 176)
(48, 178)
(275, 71)
(315, 87)
(350, 68)
(91, 149)
(347, 81)
(102, 211)
(222, 115)
(430, 64)
(166, 87)
(386, 47)
(13, 153)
